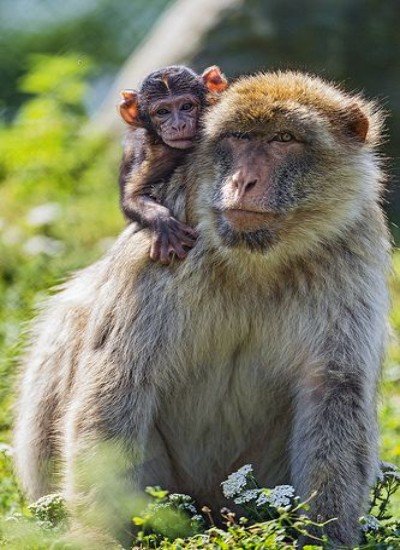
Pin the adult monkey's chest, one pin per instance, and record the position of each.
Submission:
(228, 412)
(227, 363)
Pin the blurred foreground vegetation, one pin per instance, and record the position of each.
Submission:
(272, 519)
(58, 212)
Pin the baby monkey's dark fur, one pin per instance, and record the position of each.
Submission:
(164, 119)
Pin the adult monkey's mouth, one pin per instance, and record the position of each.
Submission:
(251, 220)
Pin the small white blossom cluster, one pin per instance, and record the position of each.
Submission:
(387, 469)
(262, 499)
(380, 476)
(247, 496)
(184, 502)
(236, 482)
(49, 509)
(369, 523)
(279, 497)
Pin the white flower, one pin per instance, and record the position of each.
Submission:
(180, 498)
(236, 482)
(379, 476)
(44, 214)
(388, 466)
(247, 496)
(388, 470)
(262, 499)
(189, 508)
(185, 502)
(53, 499)
(43, 245)
(279, 497)
(369, 523)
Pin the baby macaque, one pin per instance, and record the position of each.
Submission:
(164, 117)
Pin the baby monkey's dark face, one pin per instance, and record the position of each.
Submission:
(170, 102)
(175, 119)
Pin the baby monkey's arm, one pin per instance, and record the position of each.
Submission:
(154, 163)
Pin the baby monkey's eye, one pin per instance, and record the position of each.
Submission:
(283, 137)
(187, 106)
(162, 112)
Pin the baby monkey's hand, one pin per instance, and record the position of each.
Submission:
(171, 237)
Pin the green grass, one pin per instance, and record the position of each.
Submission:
(46, 158)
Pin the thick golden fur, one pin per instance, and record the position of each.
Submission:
(264, 95)
(235, 355)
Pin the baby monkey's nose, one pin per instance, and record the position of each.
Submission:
(179, 126)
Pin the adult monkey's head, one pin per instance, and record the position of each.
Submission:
(290, 162)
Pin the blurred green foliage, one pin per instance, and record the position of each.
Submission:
(104, 30)
(46, 159)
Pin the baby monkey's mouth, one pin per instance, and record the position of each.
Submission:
(181, 142)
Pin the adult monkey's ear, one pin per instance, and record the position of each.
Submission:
(129, 107)
(214, 80)
(351, 122)
(357, 123)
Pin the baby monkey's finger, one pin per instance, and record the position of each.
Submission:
(182, 233)
(191, 231)
(159, 249)
(155, 248)
(182, 227)
(186, 240)
(177, 248)
(165, 258)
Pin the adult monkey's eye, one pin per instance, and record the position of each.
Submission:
(187, 106)
(162, 112)
(283, 137)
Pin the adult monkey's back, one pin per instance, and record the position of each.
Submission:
(264, 346)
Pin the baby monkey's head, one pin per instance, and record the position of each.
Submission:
(169, 103)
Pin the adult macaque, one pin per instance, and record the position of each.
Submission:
(263, 347)
(164, 117)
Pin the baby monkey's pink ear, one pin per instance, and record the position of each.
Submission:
(129, 107)
(214, 80)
